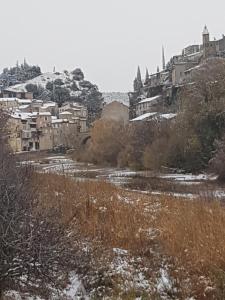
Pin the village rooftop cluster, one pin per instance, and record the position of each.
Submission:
(38, 125)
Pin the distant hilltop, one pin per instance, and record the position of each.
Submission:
(55, 86)
(59, 87)
(116, 96)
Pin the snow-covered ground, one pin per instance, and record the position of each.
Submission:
(189, 177)
(42, 80)
(73, 291)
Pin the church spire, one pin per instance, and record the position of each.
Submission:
(163, 59)
(205, 30)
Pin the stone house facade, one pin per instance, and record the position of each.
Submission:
(116, 111)
(37, 126)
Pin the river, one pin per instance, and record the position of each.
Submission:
(176, 184)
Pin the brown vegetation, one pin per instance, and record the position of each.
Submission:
(113, 143)
(99, 211)
(191, 240)
(193, 233)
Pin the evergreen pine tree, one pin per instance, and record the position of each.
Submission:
(138, 85)
(146, 76)
(139, 75)
(135, 85)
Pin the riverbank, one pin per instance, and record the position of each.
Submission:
(132, 245)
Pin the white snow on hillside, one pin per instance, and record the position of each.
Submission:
(116, 96)
(42, 80)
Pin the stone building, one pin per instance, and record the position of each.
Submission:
(64, 133)
(30, 131)
(75, 113)
(116, 111)
(176, 73)
(9, 103)
(148, 105)
(35, 125)
(12, 93)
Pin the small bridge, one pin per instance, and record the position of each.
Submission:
(83, 138)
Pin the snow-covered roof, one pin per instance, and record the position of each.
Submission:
(49, 104)
(21, 115)
(194, 54)
(76, 109)
(149, 99)
(23, 106)
(191, 69)
(41, 114)
(37, 101)
(24, 101)
(65, 113)
(57, 121)
(168, 116)
(144, 116)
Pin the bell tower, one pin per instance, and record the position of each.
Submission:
(206, 42)
(205, 36)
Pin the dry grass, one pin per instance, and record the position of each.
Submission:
(192, 233)
(195, 232)
(101, 211)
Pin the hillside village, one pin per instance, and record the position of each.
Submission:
(52, 110)
(158, 92)
(37, 125)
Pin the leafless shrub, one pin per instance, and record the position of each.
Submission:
(217, 163)
(34, 248)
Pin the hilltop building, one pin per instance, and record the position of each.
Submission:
(177, 72)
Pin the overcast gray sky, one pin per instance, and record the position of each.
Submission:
(108, 39)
